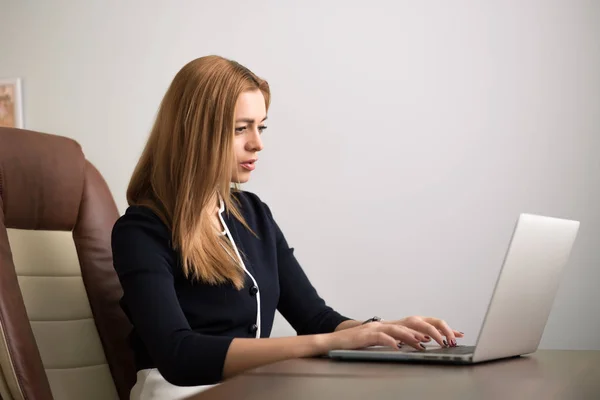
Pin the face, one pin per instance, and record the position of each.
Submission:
(250, 116)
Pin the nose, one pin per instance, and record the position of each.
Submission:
(254, 142)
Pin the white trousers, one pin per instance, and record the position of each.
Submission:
(151, 385)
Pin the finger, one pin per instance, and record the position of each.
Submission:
(406, 335)
(458, 334)
(400, 332)
(443, 327)
(426, 329)
(383, 339)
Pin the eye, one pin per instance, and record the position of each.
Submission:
(240, 129)
(262, 128)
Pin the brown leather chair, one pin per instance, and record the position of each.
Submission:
(62, 332)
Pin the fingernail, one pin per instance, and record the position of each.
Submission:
(399, 345)
(445, 343)
(427, 338)
(462, 333)
(423, 347)
(453, 343)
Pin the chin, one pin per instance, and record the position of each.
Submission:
(240, 179)
(241, 175)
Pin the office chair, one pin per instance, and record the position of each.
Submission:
(62, 332)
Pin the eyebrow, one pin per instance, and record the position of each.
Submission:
(249, 120)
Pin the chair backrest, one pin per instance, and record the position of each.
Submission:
(63, 334)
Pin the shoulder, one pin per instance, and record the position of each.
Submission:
(252, 206)
(140, 241)
(139, 220)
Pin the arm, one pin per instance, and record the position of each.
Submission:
(246, 354)
(186, 358)
(299, 302)
(143, 262)
(347, 325)
(302, 307)
(314, 321)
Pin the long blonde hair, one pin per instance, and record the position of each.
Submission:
(188, 161)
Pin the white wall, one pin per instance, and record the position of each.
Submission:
(404, 137)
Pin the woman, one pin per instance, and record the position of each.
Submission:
(204, 267)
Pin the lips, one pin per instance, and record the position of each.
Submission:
(249, 164)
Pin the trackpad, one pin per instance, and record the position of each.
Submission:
(428, 347)
(405, 348)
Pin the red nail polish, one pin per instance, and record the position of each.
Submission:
(445, 343)
(423, 347)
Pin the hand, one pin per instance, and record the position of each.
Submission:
(431, 328)
(375, 334)
(411, 330)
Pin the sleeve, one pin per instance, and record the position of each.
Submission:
(143, 262)
(299, 302)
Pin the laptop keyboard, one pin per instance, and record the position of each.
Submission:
(453, 350)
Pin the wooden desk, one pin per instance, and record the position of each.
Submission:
(547, 374)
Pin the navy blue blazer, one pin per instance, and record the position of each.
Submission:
(184, 327)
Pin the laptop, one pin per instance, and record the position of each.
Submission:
(538, 251)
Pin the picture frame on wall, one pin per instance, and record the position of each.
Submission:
(11, 103)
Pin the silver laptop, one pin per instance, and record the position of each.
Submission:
(520, 304)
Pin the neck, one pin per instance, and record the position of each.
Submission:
(214, 204)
